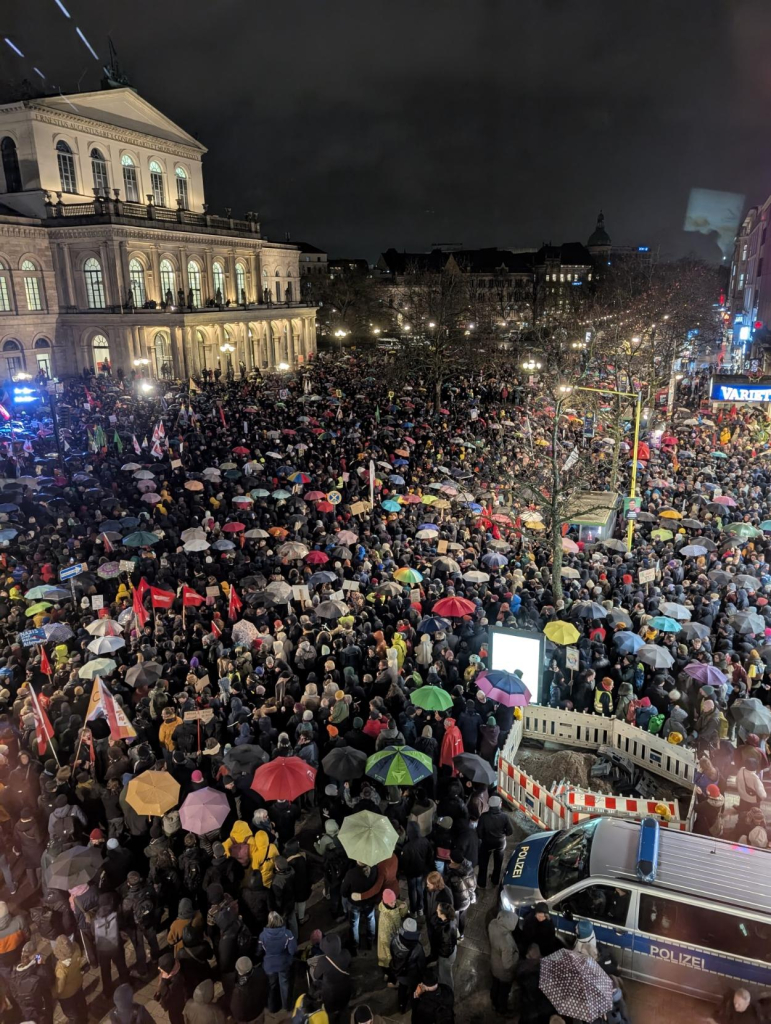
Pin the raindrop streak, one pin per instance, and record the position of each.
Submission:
(14, 47)
(62, 8)
(39, 72)
(90, 47)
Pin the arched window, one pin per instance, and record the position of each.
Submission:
(43, 356)
(101, 352)
(66, 163)
(278, 288)
(181, 177)
(14, 357)
(288, 291)
(32, 285)
(202, 363)
(99, 170)
(92, 271)
(156, 183)
(5, 291)
(168, 280)
(241, 282)
(10, 165)
(163, 365)
(194, 282)
(137, 282)
(130, 180)
(219, 280)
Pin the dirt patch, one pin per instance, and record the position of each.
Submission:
(550, 766)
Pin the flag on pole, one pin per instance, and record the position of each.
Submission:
(234, 604)
(161, 598)
(222, 415)
(102, 704)
(117, 442)
(43, 729)
(140, 611)
(134, 441)
(216, 631)
(45, 664)
(190, 598)
(108, 544)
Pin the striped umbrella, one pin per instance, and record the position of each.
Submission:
(399, 766)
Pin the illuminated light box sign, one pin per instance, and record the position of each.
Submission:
(740, 391)
(512, 649)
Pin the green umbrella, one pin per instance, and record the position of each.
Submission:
(399, 766)
(35, 609)
(431, 698)
(141, 539)
(368, 837)
(742, 530)
(97, 667)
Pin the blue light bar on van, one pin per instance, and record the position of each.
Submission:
(648, 850)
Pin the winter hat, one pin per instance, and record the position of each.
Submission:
(124, 998)
(197, 776)
(307, 716)
(708, 705)
(112, 844)
(218, 849)
(494, 801)
(410, 926)
(96, 835)
(607, 683)
(133, 878)
(358, 723)
(185, 908)
(362, 1015)
(584, 930)
(712, 791)
(243, 965)
(445, 822)
(758, 837)
(331, 827)
(389, 897)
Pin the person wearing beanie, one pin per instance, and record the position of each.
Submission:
(408, 961)
(249, 997)
(32, 984)
(710, 806)
(68, 979)
(391, 911)
(126, 1011)
(170, 991)
(96, 838)
(586, 941)
(603, 697)
(186, 915)
(332, 978)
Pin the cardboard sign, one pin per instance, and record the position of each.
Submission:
(213, 591)
(415, 596)
(358, 508)
(350, 585)
(571, 658)
(204, 715)
(441, 547)
(176, 463)
(646, 575)
(338, 596)
(125, 566)
(301, 593)
(97, 602)
(202, 683)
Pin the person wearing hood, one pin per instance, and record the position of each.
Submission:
(261, 851)
(408, 961)
(194, 958)
(503, 958)
(416, 859)
(126, 1011)
(335, 865)
(249, 997)
(254, 899)
(68, 979)
(625, 698)
(281, 896)
(186, 915)
(677, 721)
(32, 984)
(644, 712)
(278, 945)
(488, 739)
(29, 842)
(332, 977)
(170, 723)
(109, 942)
(170, 991)
(391, 912)
(13, 935)
(452, 745)
(706, 728)
(140, 918)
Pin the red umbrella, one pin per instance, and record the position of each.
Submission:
(324, 506)
(317, 557)
(643, 451)
(286, 778)
(233, 527)
(315, 496)
(240, 450)
(454, 607)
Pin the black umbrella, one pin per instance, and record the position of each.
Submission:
(345, 763)
(475, 768)
(76, 866)
(260, 598)
(144, 674)
(244, 759)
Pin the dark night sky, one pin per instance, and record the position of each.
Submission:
(359, 125)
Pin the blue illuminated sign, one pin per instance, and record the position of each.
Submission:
(643, 248)
(740, 393)
(24, 395)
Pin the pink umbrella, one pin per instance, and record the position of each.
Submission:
(204, 811)
(315, 496)
(504, 688)
(151, 498)
(146, 485)
(233, 527)
(411, 499)
(347, 537)
(316, 558)
(724, 499)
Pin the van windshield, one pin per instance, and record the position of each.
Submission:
(567, 858)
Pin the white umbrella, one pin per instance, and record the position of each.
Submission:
(196, 544)
(97, 667)
(106, 644)
(280, 592)
(104, 627)
(194, 533)
(474, 576)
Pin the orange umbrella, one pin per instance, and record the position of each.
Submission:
(278, 531)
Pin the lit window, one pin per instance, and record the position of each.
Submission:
(194, 280)
(14, 357)
(130, 181)
(182, 188)
(168, 280)
(156, 183)
(5, 298)
(101, 350)
(31, 285)
(589, 276)
(219, 280)
(562, 277)
(94, 284)
(241, 282)
(137, 282)
(99, 171)
(66, 167)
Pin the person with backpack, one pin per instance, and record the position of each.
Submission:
(139, 919)
(463, 886)
(281, 895)
(335, 865)
(125, 1010)
(278, 946)
(170, 993)
(109, 942)
(250, 992)
(235, 940)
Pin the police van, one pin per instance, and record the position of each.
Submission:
(675, 909)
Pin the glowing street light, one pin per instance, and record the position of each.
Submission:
(531, 365)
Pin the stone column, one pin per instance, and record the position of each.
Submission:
(67, 256)
(124, 271)
(177, 352)
(182, 256)
(63, 277)
(209, 272)
(255, 275)
(108, 276)
(155, 264)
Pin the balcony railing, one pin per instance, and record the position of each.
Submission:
(107, 209)
(251, 307)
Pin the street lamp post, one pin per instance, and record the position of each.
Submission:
(228, 349)
(340, 333)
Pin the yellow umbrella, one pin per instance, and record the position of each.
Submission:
(662, 534)
(535, 526)
(153, 793)
(563, 633)
(429, 499)
(441, 503)
(671, 514)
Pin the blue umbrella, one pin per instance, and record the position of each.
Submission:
(433, 624)
(141, 539)
(428, 526)
(495, 559)
(472, 505)
(9, 508)
(321, 577)
(401, 462)
(129, 523)
(396, 479)
(391, 506)
(627, 642)
(223, 545)
(109, 525)
(664, 624)
(285, 470)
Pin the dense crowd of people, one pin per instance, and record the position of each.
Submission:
(274, 587)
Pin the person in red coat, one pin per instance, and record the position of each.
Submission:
(452, 745)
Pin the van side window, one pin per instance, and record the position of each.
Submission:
(665, 918)
(731, 933)
(604, 903)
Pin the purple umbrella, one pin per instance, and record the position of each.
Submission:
(504, 688)
(204, 811)
(705, 674)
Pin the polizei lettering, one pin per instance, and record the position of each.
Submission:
(519, 863)
(675, 956)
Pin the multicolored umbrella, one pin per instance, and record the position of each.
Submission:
(399, 766)
(504, 688)
(284, 778)
(407, 575)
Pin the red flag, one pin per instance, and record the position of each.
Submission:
(190, 598)
(45, 664)
(43, 729)
(215, 629)
(140, 611)
(161, 598)
(120, 727)
(108, 545)
(142, 589)
(234, 604)
(222, 415)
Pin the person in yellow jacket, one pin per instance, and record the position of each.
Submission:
(166, 732)
(262, 851)
(123, 594)
(400, 645)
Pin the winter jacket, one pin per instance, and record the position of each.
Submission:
(68, 974)
(254, 903)
(250, 996)
(12, 938)
(278, 945)
(709, 816)
(625, 698)
(444, 936)
(434, 1007)
(166, 733)
(677, 722)
(463, 885)
(302, 884)
(107, 932)
(360, 880)
(171, 994)
(282, 893)
(408, 958)
(201, 1008)
(389, 920)
(261, 850)
(417, 855)
(494, 827)
(32, 988)
(29, 841)
(332, 974)
(503, 949)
